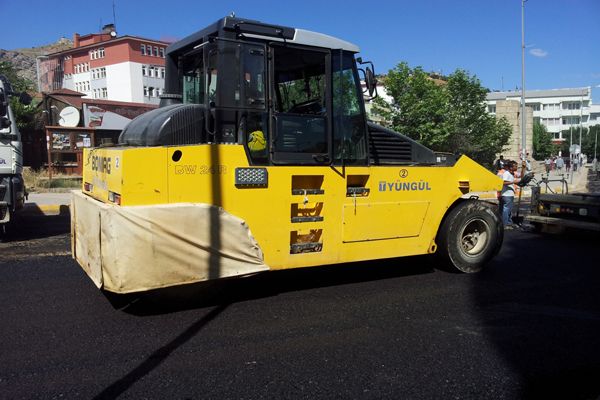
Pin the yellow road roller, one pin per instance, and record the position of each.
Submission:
(260, 157)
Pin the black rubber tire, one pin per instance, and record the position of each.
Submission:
(470, 235)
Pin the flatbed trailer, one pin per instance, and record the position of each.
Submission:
(575, 210)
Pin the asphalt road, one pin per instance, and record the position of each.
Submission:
(526, 327)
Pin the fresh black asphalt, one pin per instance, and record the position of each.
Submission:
(526, 327)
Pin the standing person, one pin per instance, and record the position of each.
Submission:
(527, 163)
(575, 163)
(548, 164)
(560, 163)
(508, 193)
(500, 173)
(567, 164)
(499, 164)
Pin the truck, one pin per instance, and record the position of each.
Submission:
(557, 211)
(12, 186)
(261, 157)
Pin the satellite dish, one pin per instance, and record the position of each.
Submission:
(69, 117)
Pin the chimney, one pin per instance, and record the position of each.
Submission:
(75, 40)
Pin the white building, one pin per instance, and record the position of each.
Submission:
(105, 66)
(557, 109)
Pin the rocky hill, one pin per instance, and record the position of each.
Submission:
(24, 59)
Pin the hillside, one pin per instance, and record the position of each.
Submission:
(24, 59)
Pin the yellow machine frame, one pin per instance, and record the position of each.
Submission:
(302, 216)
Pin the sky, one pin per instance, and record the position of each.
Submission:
(483, 37)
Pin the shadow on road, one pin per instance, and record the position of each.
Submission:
(220, 294)
(156, 358)
(540, 309)
(267, 284)
(34, 226)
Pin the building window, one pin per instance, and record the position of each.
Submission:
(162, 73)
(492, 108)
(570, 120)
(557, 135)
(146, 91)
(551, 121)
(162, 52)
(569, 106)
(143, 49)
(155, 51)
(552, 107)
(104, 92)
(101, 52)
(144, 71)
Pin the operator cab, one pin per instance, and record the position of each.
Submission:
(290, 96)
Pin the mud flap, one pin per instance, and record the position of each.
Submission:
(137, 248)
(85, 235)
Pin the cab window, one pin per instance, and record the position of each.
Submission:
(349, 124)
(300, 106)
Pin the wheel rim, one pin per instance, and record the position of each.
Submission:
(474, 237)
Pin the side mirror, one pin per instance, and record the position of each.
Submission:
(370, 81)
(3, 104)
(4, 123)
(369, 77)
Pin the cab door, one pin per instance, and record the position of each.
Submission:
(301, 118)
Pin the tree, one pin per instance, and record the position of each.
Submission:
(450, 116)
(542, 141)
(24, 114)
(592, 148)
(418, 108)
(588, 139)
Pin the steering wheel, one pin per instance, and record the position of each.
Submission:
(307, 107)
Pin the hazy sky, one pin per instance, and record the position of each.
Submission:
(483, 37)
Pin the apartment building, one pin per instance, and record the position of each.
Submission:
(105, 66)
(557, 109)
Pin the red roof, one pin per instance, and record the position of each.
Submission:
(76, 99)
(106, 42)
(66, 92)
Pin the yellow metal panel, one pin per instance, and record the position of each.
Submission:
(376, 221)
(137, 174)
(144, 176)
(399, 215)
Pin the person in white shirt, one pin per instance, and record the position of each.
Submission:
(508, 192)
(560, 163)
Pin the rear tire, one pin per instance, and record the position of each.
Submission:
(470, 235)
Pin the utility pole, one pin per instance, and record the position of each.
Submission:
(523, 119)
(580, 129)
(595, 144)
(571, 150)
